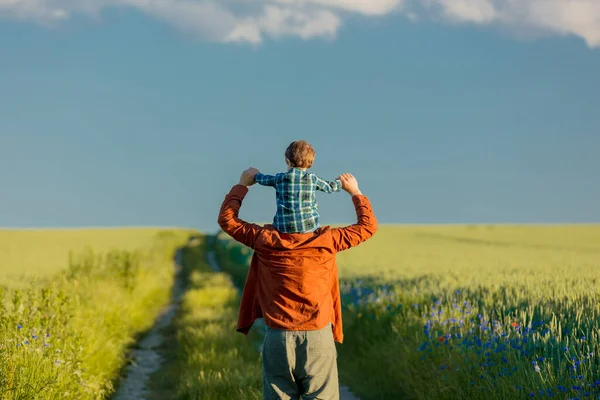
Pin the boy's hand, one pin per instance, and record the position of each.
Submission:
(350, 184)
(247, 178)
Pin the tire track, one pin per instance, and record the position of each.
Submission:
(145, 357)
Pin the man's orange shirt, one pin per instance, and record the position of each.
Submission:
(293, 278)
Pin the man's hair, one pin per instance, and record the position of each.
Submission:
(300, 154)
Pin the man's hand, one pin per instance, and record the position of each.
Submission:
(247, 178)
(349, 184)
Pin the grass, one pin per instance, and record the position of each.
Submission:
(430, 312)
(472, 312)
(43, 253)
(66, 336)
(208, 359)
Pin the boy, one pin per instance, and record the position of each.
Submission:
(297, 208)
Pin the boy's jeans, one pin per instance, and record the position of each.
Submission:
(300, 363)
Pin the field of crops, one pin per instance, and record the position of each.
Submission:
(43, 253)
(471, 312)
(430, 312)
(65, 335)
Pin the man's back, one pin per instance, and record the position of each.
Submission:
(293, 278)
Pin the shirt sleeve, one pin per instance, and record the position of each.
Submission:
(328, 187)
(365, 227)
(240, 230)
(265, 180)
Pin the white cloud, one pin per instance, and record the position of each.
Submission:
(250, 21)
(477, 11)
(550, 17)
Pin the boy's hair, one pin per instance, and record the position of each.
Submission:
(300, 154)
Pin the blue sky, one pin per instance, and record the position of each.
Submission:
(143, 115)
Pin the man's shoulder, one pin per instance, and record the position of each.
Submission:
(272, 239)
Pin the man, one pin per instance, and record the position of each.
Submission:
(293, 284)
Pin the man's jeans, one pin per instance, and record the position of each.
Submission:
(300, 363)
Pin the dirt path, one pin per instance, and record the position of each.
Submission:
(145, 356)
(345, 393)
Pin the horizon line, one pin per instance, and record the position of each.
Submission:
(387, 224)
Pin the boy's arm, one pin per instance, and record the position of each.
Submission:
(328, 187)
(265, 180)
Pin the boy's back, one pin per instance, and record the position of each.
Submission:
(297, 207)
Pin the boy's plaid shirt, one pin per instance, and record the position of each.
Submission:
(297, 208)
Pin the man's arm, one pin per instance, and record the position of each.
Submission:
(265, 180)
(328, 187)
(366, 226)
(229, 221)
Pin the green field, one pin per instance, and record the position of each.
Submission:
(463, 312)
(65, 335)
(470, 312)
(25, 253)
(430, 312)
